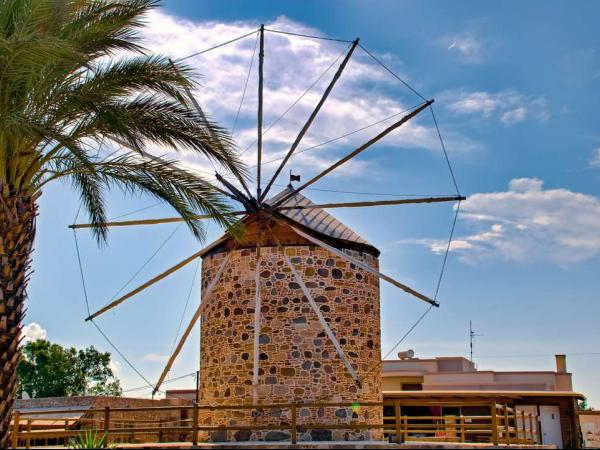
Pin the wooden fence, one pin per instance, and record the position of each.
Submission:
(503, 425)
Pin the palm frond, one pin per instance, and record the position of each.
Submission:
(184, 191)
(62, 100)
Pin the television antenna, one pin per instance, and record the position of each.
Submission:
(472, 337)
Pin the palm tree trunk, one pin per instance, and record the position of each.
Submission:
(17, 232)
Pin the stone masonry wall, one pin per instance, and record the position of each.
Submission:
(298, 362)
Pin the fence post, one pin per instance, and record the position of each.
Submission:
(405, 423)
(195, 424)
(494, 414)
(15, 430)
(506, 424)
(106, 425)
(462, 428)
(398, 413)
(524, 426)
(294, 428)
(28, 440)
(531, 435)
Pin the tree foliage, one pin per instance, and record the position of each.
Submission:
(50, 370)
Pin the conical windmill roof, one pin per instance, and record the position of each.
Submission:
(315, 221)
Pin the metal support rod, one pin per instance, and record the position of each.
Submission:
(352, 154)
(315, 307)
(311, 117)
(261, 60)
(374, 203)
(362, 265)
(190, 326)
(148, 283)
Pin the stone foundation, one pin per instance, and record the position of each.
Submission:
(298, 362)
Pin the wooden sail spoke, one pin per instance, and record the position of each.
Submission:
(354, 153)
(362, 265)
(248, 202)
(195, 317)
(311, 118)
(257, 317)
(259, 127)
(128, 223)
(147, 284)
(315, 307)
(374, 203)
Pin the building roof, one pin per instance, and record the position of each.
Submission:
(316, 219)
(479, 393)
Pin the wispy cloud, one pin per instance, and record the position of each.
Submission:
(527, 223)
(115, 366)
(467, 46)
(595, 159)
(508, 106)
(155, 357)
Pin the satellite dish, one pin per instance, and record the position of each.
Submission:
(408, 354)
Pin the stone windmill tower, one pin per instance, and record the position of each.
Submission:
(317, 322)
(291, 311)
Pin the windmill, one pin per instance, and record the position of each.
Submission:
(300, 283)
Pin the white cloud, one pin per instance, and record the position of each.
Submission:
(467, 46)
(364, 94)
(525, 184)
(115, 366)
(527, 223)
(514, 115)
(595, 160)
(507, 106)
(155, 357)
(33, 332)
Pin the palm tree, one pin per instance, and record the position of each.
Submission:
(66, 98)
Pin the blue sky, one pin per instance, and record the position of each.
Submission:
(516, 87)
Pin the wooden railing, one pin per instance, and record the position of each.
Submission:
(503, 425)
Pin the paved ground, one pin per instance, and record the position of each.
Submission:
(318, 445)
